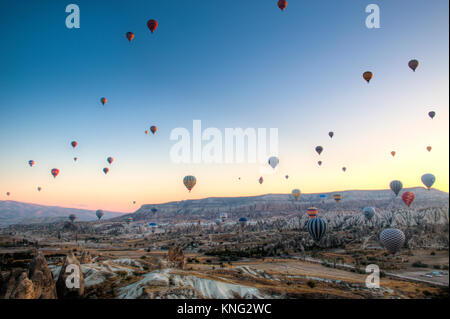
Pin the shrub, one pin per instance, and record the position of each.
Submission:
(311, 284)
(419, 264)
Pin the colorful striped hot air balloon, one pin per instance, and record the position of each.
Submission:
(392, 239)
(296, 193)
(337, 197)
(31, 163)
(317, 228)
(189, 181)
(282, 4)
(312, 212)
(55, 172)
(408, 198)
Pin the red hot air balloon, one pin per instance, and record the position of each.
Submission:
(103, 100)
(55, 172)
(146, 132)
(130, 36)
(393, 153)
(110, 160)
(152, 25)
(408, 198)
(106, 170)
(153, 129)
(74, 144)
(282, 4)
(429, 148)
(8, 193)
(75, 159)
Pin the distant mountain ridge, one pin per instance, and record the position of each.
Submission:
(12, 212)
(269, 204)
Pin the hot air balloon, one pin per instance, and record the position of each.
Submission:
(153, 226)
(261, 180)
(369, 212)
(312, 212)
(242, 221)
(72, 217)
(74, 144)
(337, 197)
(134, 202)
(428, 180)
(189, 181)
(218, 221)
(130, 36)
(331, 134)
(317, 228)
(106, 170)
(396, 187)
(323, 196)
(319, 149)
(393, 153)
(413, 64)
(152, 25)
(429, 148)
(282, 4)
(75, 159)
(55, 172)
(153, 129)
(273, 161)
(368, 76)
(146, 132)
(154, 210)
(8, 193)
(287, 176)
(39, 188)
(392, 239)
(432, 114)
(344, 169)
(408, 198)
(223, 216)
(320, 163)
(103, 100)
(110, 160)
(129, 220)
(99, 213)
(31, 163)
(296, 193)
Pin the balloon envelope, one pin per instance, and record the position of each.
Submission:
(189, 181)
(55, 172)
(396, 187)
(312, 212)
(408, 198)
(369, 212)
(319, 149)
(428, 180)
(152, 25)
(317, 228)
(273, 161)
(413, 64)
(432, 114)
(31, 163)
(296, 193)
(282, 4)
(368, 76)
(392, 239)
(99, 213)
(130, 36)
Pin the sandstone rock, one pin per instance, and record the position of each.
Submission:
(175, 257)
(86, 258)
(63, 291)
(42, 278)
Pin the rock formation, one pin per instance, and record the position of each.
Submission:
(63, 291)
(175, 257)
(42, 278)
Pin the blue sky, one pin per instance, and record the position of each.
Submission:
(229, 64)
